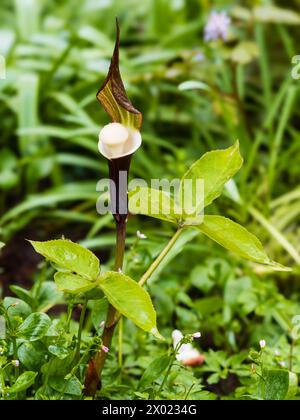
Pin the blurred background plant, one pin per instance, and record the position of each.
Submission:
(196, 93)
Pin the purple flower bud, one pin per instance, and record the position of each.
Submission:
(217, 26)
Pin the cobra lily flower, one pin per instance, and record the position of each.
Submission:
(117, 143)
(121, 138)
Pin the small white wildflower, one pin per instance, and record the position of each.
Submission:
(140, 235)
(282, 364)
(262, 344)
(197, 334)
(217, 26)
(120, 270)
(102, 324)
(105, 349)
(186, 354)
(15, 363)
(277, 353)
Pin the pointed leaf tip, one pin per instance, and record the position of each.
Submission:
(237, 239)
(112, 94)
(215, 169)
(157, 334)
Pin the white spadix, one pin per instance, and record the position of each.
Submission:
(116, 140)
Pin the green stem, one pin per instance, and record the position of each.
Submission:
(166, 376)
(80, 328)
(120, 343)
(47, 375)
(189, 391)
(14, 342)
(40, 281)
(160, 258)
(17, 369)
(264, 64)
(291, 355)
(69, 317)
(169, 367)
(276, 146)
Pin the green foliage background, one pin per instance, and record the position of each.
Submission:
(195, 96)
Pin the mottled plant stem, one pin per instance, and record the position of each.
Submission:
(96, 365)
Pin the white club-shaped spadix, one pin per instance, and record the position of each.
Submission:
(116, 140)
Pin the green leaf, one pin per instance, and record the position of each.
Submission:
(22, 294)
(113, 97)
(208, 305)
(278, 384)
(47, 296)
(17, 309)
(32, 355)
(59, 367)
(236, 238)
(8, 166)
(71, 386)
(58, 351)
(153, 203)
(71, 283)
(274, 14)
(215, 169)
(94, 294)
(245, 52)
(34, 327)
(154, 370)
(293, 385)
(70, 256)
(193, 85)
(23, 382)
(130, 299)
(99, 311)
